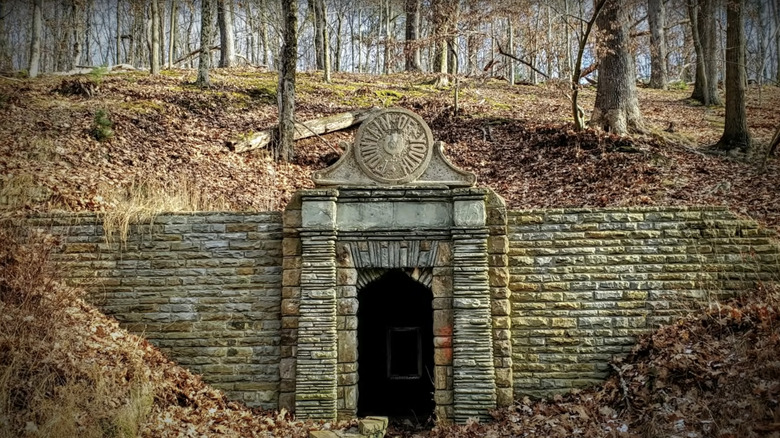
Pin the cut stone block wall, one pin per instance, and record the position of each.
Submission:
(581, 284)
(204, 287)
(585, 282)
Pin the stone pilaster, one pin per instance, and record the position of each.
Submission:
(473, 373)
(317, 353)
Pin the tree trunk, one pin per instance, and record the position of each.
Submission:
(388, 36)
(776, 5)
(735, 133)
(204, 62)
(706, 88)
(118, 32)
(5, 48)
(264, 32)
(452, 30)
(441, 15)
(700, 88)
(35, 42)
(337, 49)
(708, 28)
(172, 38)
(78, 23)
(412, 48)
(472, 41)
(576, 75)
(286, 90)
(154, 53)
(511, 47)
(227, 57)
(321, 38)
(656, 17)
(617, 106)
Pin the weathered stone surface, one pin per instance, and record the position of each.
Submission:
(204, 287)
(581, 284)
(393, 147)
(586, 281)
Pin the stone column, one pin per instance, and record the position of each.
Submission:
(474, 378)
(317, 354)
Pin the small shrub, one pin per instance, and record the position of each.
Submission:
(103, 126)
(678, 85)
(98, 73)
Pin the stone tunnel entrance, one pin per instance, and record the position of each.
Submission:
(393, 271)
(395, 348)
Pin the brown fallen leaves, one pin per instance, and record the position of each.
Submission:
(170, 134)
(67, 370)
(714, 374)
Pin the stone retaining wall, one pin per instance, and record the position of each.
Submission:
(582, 283)
(585, 282)
(204, 287)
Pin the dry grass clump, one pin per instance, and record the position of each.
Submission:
(61, 371)
(141, 202)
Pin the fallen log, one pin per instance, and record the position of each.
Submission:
(310, 128)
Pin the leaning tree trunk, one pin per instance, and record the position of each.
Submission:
(735, 133)
(656, 17)
(35, 43)
(286, 91)
(204, 62)
(617, 106)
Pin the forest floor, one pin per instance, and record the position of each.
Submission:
(167, 145)
(712, 374)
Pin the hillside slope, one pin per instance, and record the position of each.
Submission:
(67, 370)
(166, 150)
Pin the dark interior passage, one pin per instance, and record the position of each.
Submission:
(395, 348)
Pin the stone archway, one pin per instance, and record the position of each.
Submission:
(395, 347)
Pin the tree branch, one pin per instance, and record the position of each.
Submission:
(511, 56)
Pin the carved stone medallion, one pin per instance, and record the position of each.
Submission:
(394, 146)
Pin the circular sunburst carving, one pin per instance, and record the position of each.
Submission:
(394, 146)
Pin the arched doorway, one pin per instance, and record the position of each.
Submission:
(395, 348)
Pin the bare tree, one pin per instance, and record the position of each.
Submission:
(735, 133)
(227, 43)
(286, 90)
(656, 18)
(204, 62)
(585, 29)
(617, 106)
(35, 41)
